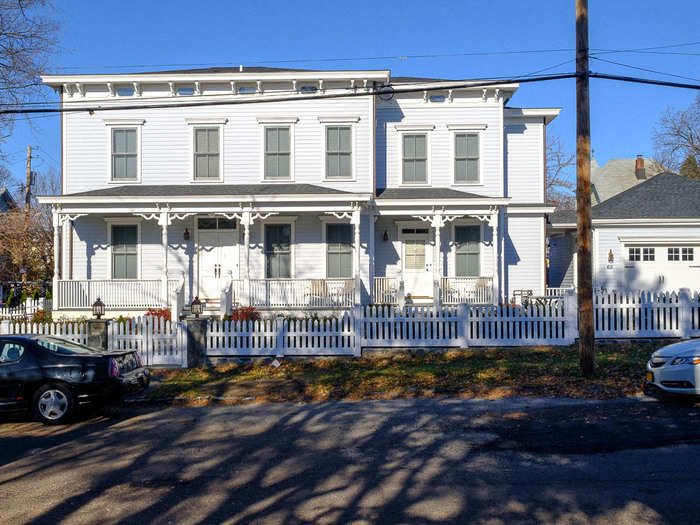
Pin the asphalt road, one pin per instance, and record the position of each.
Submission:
(403, 461)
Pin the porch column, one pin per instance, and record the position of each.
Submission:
(370, 245)
(164, 222)
(437, 223)
(56, 241)
(355, 221)
(246, 222)
(493, 222)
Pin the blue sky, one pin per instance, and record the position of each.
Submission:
(98, 36)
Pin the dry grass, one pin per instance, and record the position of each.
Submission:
(489, 373)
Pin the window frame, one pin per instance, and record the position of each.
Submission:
(206, 123)
(452, 246)
(673, 253)
(277, 122)
(128, 124)
(464, 130)
(325, 222)
(339, 122)
(637, 255)
(9, 341)
(123, 221)
(414, 129)
(689, 255)
(648, 254)
(279, 220)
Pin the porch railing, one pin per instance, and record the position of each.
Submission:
(472, 290)
(558, 291)
(387, 290)
(81, 294)
(296, 293)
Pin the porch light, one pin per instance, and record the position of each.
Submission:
(98, 308)
(385, 237)
(186, 235)
(196, 307)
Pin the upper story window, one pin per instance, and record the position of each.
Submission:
(206, 153)
(338, 152)
(415, 159)
(277, 153)
(124, 154)
(466, 157)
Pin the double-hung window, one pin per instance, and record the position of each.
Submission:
(206, 154)
(124, 154)
(278, 251)
(466, 157)
(415, 159)
(339, 250)
(338, 152)
(467, 251)
(125, 251)
(277, 153)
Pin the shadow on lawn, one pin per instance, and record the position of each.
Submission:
(419, 461)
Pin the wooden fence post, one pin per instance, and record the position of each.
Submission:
(281, 330)
(356, 319)
(684, 313)
(463, 325)
(570, 316)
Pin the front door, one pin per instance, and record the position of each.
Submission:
(417, 264)
(217, 250)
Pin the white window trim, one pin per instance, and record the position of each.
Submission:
(428, 142)
(112, 124)
(196, 124)
(453, 246)
(627, 254)
(124, 221)
(325, 221)
(291, 220)
(280, 122)
(453, 137)
(353, 145)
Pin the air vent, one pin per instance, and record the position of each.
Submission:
(308, 89)
(185, 91)
(437, 98)
(246, 90)
(125, 92)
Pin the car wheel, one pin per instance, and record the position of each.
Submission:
(54, 404)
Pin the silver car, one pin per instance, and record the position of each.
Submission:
(674, 369)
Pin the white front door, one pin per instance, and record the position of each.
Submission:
(417, 264)
(217, 250)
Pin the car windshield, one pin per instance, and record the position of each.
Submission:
(60, 346)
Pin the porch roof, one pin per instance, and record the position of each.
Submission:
(433, 195)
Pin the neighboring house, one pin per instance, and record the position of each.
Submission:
(6, 203)
(619, 175)
(304, 202)
(645, 238)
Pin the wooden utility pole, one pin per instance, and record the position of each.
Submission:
(27, 206)
(583, 194)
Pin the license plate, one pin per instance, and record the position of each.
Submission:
(650, 376)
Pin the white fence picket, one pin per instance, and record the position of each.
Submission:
(71, 331)
(158, 342)
(389, 326)
(241, 337)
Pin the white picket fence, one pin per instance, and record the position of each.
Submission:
(388, 326)
(72, 331)
(25, 309)
(159, 342)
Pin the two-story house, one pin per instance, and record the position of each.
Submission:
(290, 189)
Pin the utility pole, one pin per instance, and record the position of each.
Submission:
(583, 194)
(27, 206)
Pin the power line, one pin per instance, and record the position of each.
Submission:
(643, 68)
(644, 81)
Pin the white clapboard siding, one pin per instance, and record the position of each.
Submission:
(387, 326)
(159, 342)
(516, 325)
(640, 314)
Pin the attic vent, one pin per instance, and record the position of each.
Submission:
(246, 90)
(125, 92)
(437, 98)
(308, 89)
(185, 91)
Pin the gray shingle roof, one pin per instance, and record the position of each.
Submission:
(617, 176)
(176, 190)
(425, 193)
(665, 196)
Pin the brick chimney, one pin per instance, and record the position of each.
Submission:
(639, 170)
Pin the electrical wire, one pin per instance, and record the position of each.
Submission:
(643, 68)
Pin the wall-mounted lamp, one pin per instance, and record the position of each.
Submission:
(186, 235)
(385, 237)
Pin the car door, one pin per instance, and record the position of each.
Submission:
(13, 360)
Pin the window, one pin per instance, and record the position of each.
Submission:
(674, 254)
(10, 352)
(648, 254)
(213, 223)
(338, 152)
(277, 153)
(634, 254)
(61, 346)
(339, 250)
(414, 254)
(185, 91)
(278, 251)
(206, 153)
(124, 252)
(466, 157)
(415, 159)
(247, 90)
(467, 248)
(124, 154)
(125, 91)
(687, 254)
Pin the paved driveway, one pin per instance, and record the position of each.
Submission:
(403, 461)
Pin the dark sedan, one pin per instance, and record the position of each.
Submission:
(54, 377)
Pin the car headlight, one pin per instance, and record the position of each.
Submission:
(686, 361)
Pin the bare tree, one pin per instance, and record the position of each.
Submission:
(677, 135)
(559, 185)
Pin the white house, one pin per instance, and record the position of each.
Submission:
(644, 238)
(289, 189)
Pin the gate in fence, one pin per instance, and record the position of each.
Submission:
(159, 342)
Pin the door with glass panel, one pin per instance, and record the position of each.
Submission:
(217, 250)
(417, 264)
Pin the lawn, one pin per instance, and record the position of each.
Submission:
(489, 373)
